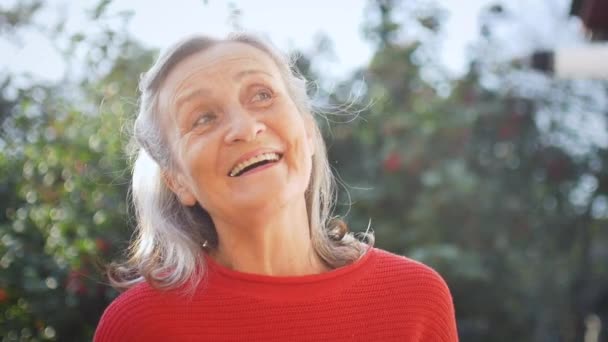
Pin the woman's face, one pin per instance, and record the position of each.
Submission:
(236, 135)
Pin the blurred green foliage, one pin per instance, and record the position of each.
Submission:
(468, 183)
(465, 182)
(65, 180)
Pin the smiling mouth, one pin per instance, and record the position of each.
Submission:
(254, 162)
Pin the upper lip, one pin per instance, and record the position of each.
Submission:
(253, 153)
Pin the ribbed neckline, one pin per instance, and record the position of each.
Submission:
(289, 287)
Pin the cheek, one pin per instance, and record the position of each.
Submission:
(305, 139)
(200, 161)
(301, 146)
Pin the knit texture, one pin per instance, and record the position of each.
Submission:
(381, 297)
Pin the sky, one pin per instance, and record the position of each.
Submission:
(528, 25)
(288, 24)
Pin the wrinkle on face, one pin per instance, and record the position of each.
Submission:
(203, 157)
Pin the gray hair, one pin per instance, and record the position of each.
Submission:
(170, 237)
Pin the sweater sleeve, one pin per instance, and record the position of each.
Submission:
(126, 318)
(440, 326)
(114, 324)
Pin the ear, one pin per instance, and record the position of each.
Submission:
(311, 131)
(179, 187)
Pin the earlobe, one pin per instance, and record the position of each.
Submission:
(179, 188)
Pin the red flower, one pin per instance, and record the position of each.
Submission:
(3, 295)
(75, 282)
(102, 245)
(392, 163)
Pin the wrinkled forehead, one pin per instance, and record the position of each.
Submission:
(218, 63)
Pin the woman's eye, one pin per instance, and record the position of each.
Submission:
(262, 96)
(205, 119)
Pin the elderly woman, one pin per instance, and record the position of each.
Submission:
(233, 194)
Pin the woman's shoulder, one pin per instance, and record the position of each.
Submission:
(400, 262)
(419, 291)
(404, 272)
(135, 297)
(128, 311)
(409, 289)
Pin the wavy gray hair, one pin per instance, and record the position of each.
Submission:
(170, 237)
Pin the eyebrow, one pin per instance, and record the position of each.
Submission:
(189, 96)
(199, 92)
(248, 72)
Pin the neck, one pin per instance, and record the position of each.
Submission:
(276, 243)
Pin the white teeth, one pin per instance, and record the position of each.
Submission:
(264, 156)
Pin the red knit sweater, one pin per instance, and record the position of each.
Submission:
(381, 297)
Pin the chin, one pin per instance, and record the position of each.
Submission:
(268, 198)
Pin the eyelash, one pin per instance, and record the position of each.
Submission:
(266, 92)
(204, 116)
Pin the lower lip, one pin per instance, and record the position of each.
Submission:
(260, 168)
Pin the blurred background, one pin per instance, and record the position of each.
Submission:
(464, 130)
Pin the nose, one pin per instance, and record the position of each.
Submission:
(243, 127)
